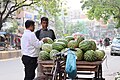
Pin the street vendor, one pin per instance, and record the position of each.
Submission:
(44, 31)
(29, 49)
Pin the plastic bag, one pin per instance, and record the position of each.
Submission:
(70, 68)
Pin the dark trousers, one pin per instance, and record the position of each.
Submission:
(30, 64)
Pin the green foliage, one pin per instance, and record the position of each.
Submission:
(14, 28)
(49, 7)
(59, 27)
(76, 27)
(104, 9)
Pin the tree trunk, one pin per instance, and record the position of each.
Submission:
(0, 25)
(1, 22)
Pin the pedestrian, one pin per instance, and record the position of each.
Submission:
(44, 31)
(17, 42)
(101, 42)
(106, 42)
(29, 49)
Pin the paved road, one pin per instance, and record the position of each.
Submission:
(111, 66)
(13, 69)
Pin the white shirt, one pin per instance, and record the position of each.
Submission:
(30, 45)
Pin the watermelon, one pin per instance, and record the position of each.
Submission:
(62, 40)
(44, 55)
(62, 43)
(72, 44)
(79, 54)
(63, 50)
(49, 40)
(99, 54)
(58, 46)
(90, 56)
(79, 39)
(69, 38)
(93, 45)
(87, 45)
(47, 47)
(52, 53)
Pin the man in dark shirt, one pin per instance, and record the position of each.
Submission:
(44, 31)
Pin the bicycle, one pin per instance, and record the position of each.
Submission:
(57, 72)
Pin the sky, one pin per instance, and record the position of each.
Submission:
(74, 4)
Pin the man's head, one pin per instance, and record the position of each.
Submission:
(44, 22)
(29, 24)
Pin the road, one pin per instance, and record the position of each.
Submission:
(13, 69)
(111, 66)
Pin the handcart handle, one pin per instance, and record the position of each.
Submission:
(63, 53)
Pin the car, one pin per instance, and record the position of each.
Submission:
(115, 46)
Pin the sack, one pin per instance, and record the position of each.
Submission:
(71, 65)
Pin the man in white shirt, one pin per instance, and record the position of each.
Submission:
(30, 46)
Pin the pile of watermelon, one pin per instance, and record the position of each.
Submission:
(85, 49)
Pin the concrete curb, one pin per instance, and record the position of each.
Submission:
(10, 54)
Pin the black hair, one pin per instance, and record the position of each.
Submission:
(29, 23)
(44, 19)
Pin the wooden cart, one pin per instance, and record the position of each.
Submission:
(96, 67)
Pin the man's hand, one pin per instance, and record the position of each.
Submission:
(44, 40)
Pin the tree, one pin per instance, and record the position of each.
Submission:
(104, 9)
(59, 27)
(48, 7)
(76, 27)
(8, 7)
(14, 27)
